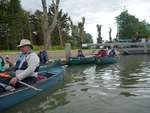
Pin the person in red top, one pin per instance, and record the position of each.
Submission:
(101, 53)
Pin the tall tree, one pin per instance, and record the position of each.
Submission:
(110, 38)
(87, 38)
(12, 22)
(99, 39)
(46, 26)
(81, 31)
(128, 25)
(74, 34)
(62, 24)
(36, 27)
(79, 35)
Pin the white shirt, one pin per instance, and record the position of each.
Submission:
(33, 62)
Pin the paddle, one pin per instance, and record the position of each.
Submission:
(6, 75)
(7, 87)
(23, 83)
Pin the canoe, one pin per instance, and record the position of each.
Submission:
(46, 67)
(105, 60)
(53, 74)
(81, 60)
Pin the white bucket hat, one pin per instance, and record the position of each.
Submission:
(24, 42)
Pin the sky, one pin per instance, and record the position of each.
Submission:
(102, 12)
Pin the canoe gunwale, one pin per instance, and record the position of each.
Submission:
(26, 88)
(81, 60)
(105, 60)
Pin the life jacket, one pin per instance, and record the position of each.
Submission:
(43, 57)
(22, 64)
(2, 61)
(112, 52)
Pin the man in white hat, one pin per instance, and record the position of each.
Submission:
(27, 62)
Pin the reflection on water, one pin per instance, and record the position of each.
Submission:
(39, 104)
(98, 89)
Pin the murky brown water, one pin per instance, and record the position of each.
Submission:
(119, 88)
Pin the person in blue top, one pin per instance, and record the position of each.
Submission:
(112, 52)
(2, 64)
(43, 56)
(80, 53)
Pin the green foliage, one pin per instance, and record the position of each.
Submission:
(56, 48)
(128, 25)
(36, 27)
(12, 24)
(16, 23)
(87, 38)
(75, 39)
(62, 26)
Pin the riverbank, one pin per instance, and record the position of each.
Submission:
(59, 54)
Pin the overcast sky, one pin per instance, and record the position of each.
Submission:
(101, 12)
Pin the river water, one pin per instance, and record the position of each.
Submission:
(123, 87)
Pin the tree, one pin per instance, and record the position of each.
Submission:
(12, 24)
(46, 26)
(110, 38)
(36, 27)
(81, 31)
(74, 34)
(62, 24)
(78, 35)
(128, 25)
(87, 38)
(99, 39)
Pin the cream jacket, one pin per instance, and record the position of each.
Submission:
(33, 62)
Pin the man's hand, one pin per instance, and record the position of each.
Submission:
(13, 81)
(8, 60)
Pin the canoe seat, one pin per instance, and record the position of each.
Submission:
(45, 74)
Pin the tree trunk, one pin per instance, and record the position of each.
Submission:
(45, 24)
(60, 36)
(110, 38)
(81, 31)
(47, 28)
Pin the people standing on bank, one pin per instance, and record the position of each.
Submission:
(43, 56)
(27, 62)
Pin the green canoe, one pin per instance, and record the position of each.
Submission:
(105, 60)
(81, 60)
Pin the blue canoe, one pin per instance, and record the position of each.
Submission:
(10, 98)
